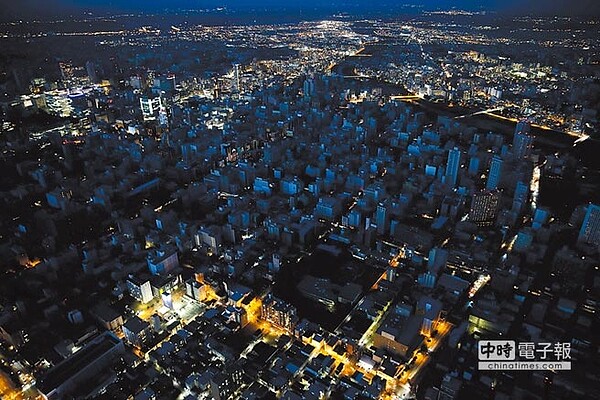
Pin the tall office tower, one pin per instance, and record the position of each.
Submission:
(484, 207)
(308, 88)
(437, 259)
(235, 84)
(520, 197)
(90, 68)
(522, 140)
(590, 229)
(381, 218)
(452, 166)
(495, 173)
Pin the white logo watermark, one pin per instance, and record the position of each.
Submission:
(510, 355)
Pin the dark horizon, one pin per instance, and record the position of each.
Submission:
(32, 9)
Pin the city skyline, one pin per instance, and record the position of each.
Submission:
(300, 200)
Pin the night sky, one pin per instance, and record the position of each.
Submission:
(39, 8)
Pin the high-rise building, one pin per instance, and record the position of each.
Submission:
(276, 262)
(523, 240)
(235, 83)
(136, 330)
(162, 260)
(308, 88)
(140, 289)
(196, 290)
(170, 82)
(150, 107)
(189, 152)
(279, 312)
(137, 82)
(431, 311)
(354, 218)
(523, 126)
(520, 197)
(495, 173)
(484, 207)
(291, 186)
(327, 208)
(522, 140)
(262, 186)
(437, 259)
(90, 68)
(452, 166)
(381, 218)
(427, 280)
(473, 166)
(590, 229)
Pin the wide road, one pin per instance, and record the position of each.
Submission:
(8, 390)
(421, 360)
